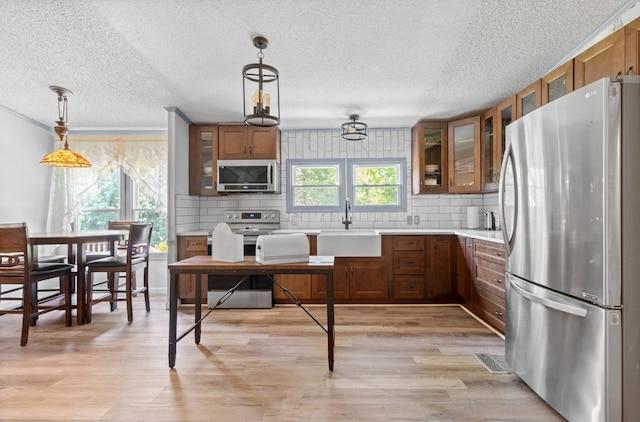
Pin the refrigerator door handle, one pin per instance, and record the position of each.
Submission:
(574, 310)
(508, 177)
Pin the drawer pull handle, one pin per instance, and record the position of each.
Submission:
(497, 280)
(497, 253)
(498, 313)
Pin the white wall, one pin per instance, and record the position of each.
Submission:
(25, 182)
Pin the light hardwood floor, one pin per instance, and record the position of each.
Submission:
(392, 363)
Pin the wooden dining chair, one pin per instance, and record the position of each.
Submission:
(25, 277)
(120, 249)
(136, 258)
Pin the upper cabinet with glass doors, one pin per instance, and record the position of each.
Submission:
(464, 155)
(528, 99)
(203, 155)
(429, 157)
(557, 83)
(488, 146)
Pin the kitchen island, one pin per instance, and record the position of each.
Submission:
(202, 266)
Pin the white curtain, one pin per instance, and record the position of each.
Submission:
(143, 157)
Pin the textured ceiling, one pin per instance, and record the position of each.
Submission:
(392, 62)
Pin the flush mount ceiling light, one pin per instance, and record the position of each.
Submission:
(257, 80)
(354, 130)
(63, 157)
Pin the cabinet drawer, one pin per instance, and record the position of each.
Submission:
(408, 262)
(408, 287)
(408, 243)
(490, 308)
(196, 244)
(491, 276)
(490, 251)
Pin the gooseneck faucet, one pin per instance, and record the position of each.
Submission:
(346, 220)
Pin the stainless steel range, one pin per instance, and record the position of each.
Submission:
(256, 291)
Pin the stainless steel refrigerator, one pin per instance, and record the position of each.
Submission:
(570, 214)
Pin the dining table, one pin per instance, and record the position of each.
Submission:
(76, 254)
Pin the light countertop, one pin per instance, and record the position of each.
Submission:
(489, 235)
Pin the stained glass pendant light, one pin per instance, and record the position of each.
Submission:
(354, 130)
(260, 84)
(63, 157)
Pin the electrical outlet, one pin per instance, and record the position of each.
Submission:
(293, 220)
(416, 219)
(409, 219)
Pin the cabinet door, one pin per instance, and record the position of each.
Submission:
(203, 153)
(439, 280)
(189, 246)
(605, 58)
(528, 99)
(488, 144)
(264, 143)
(340, 283)
(464, 266)
(429, 158)
(505, 114)
(297, 284)
(632, 47)
(464, 155)
(368, 280)
(232, 142)
(557, 83)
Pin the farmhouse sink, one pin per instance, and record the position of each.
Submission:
(354, 242)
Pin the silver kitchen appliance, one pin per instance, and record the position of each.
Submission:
(248, 176)
(570, 217)
(257, 290)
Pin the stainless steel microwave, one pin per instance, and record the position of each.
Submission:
(248, 176)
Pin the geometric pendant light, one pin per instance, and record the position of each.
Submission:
(63, 157)
(261, 89)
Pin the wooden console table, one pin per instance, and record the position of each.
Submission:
(204, 265)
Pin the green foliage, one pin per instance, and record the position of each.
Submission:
(103, 206)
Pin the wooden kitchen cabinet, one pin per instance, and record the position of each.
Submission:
(355, 279)
(464, 268)
(440, 262)
(489, 283)
(489, 144)
(300, 285)
(505, 114)
(189, 246)
(238, 142)
(203, 155)
(408, 267)
(632, 47)
(429, 158)
(528, 99)
(556, 83)
(464, 155)
(297, 284)
(605, 58)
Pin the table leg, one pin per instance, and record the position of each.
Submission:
(81, 291)
(173, 317)
(198, 310)
(330, 320)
